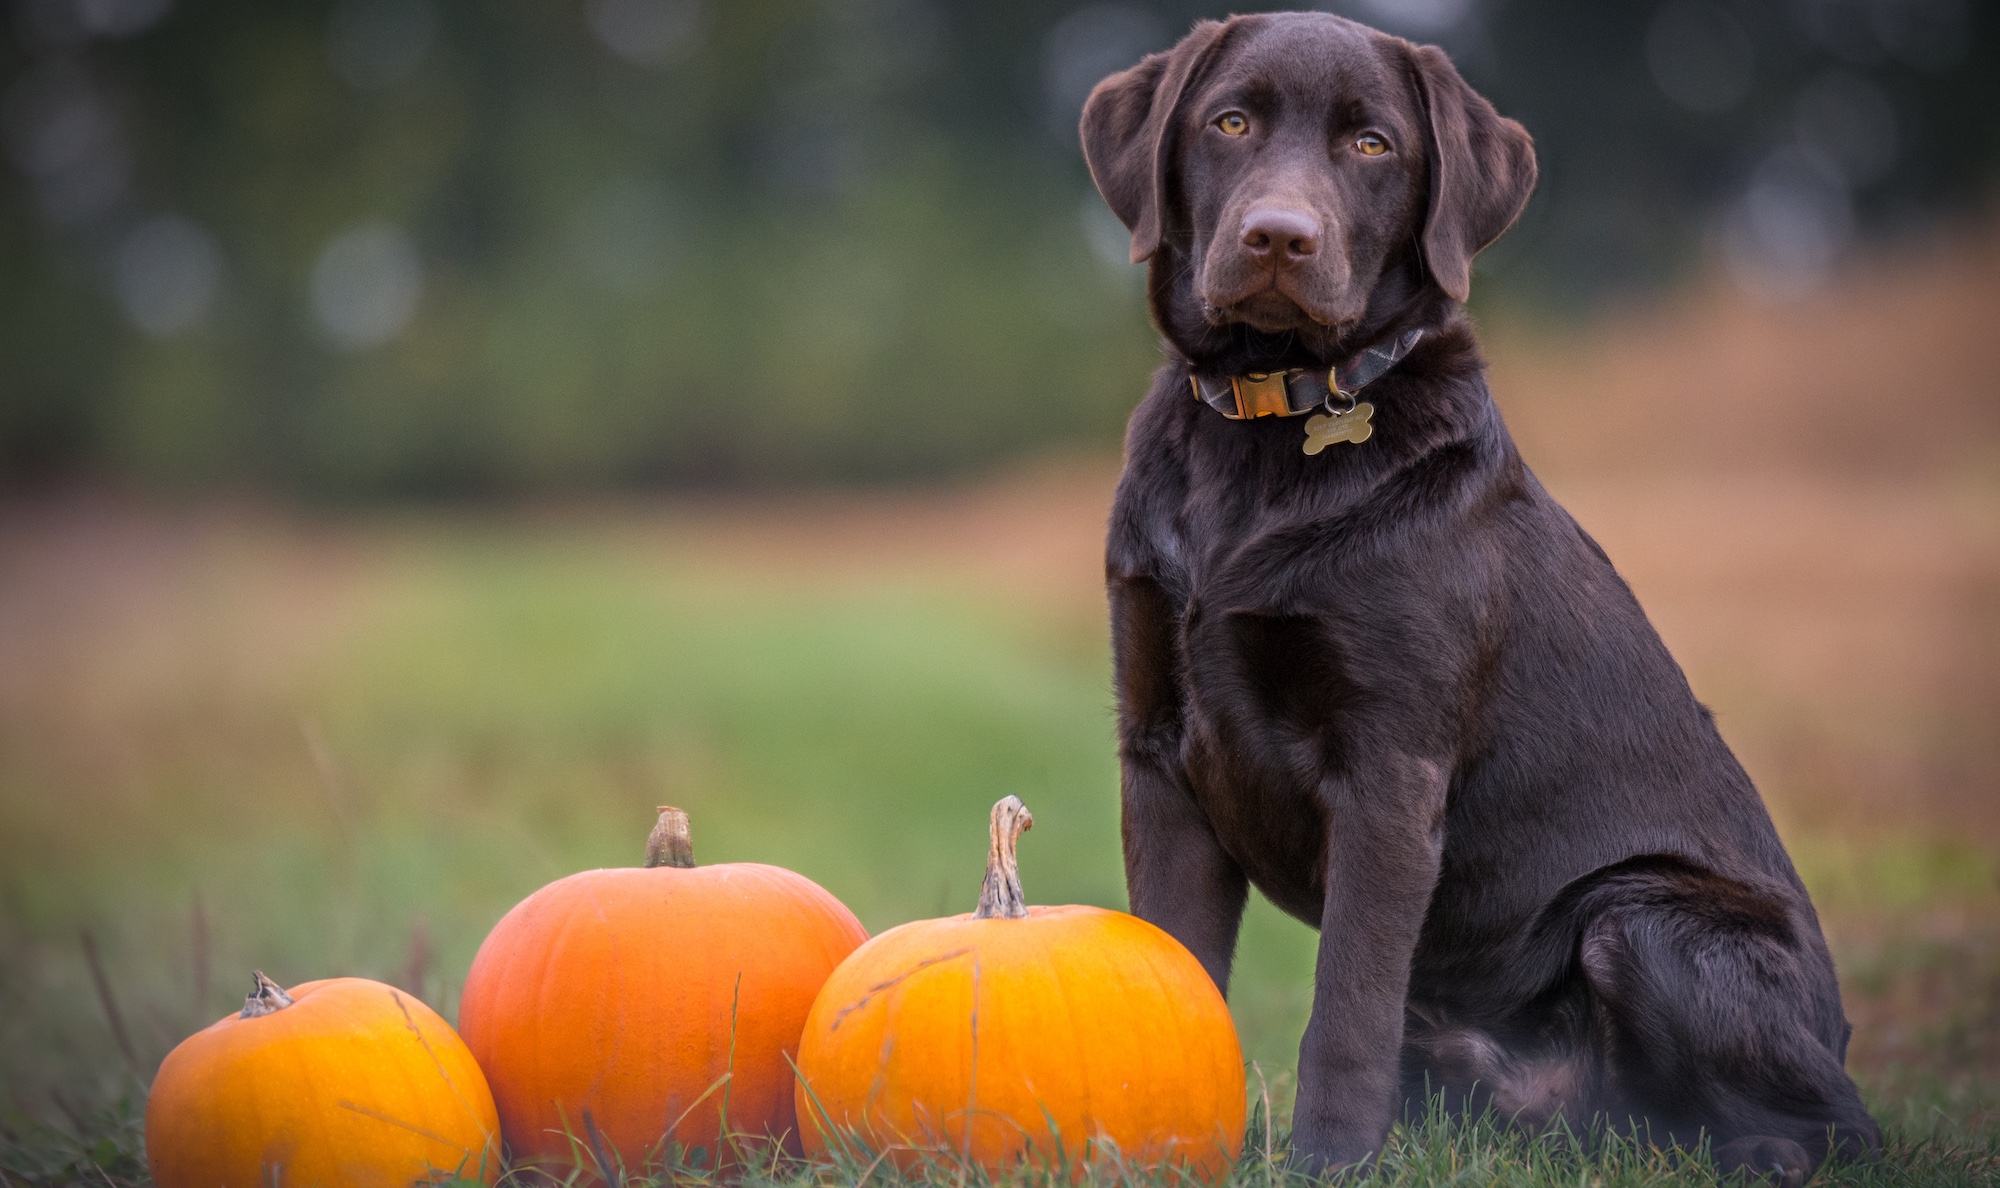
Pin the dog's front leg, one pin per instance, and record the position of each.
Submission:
(1176, 871)
(1385, 837)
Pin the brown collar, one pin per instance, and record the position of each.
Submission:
(1302, 389)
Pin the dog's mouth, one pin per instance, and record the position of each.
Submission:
(1272, 300)
(1272, 309)
(1268, 310)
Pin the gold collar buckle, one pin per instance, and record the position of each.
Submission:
(1261, 394)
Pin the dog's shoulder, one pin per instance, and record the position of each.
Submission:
(1153, 486)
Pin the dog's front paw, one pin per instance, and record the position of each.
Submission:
(1320, 1153)
(1773, 1160)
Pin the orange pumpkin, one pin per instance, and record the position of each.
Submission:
(344, 1081)
(630, 1008)
(1060, 1034)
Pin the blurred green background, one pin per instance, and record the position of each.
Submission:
(381, 248)
(433, 434)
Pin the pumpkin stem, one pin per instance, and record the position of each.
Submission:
(670, 844)
(1000, 895)
(265, 997)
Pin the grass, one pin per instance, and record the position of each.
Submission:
(1439, 1151)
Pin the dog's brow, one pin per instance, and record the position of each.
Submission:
(1255, 91)
(1355, 112)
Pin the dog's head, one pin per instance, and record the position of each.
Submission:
(1297, 178)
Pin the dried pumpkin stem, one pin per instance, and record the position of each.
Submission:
(670, 844)
(265, 997)
(1000, 895)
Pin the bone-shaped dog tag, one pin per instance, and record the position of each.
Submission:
(1327, 428)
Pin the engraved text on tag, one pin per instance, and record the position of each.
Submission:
(1327, 428)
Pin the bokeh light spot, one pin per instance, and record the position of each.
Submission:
(653, 33)
(61, 133)
(1414, 18)
(1791, 226)
(166, 274)
(365, 285)
(374, 44)
(121, 18)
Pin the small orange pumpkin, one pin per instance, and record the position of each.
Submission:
(1054, 1033)
(343, 1081)
(627, 1008)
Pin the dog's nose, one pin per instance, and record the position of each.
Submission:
(1282, 236)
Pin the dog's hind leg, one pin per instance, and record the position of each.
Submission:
(1718, 1016)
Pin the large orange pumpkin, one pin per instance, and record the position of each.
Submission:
(631, 1008)
(344, 1081)
(1060, 1034)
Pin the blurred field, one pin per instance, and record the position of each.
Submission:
(233, 736)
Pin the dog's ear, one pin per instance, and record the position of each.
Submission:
(1126, 125)
(1482, 168)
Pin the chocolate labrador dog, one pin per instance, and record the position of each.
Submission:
(1375, 670)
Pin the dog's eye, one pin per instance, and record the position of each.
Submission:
(1372, 146)
(1232, 123)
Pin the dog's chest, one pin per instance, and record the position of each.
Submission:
(1260, 688)
(1261, 566)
